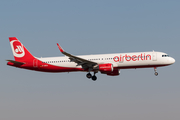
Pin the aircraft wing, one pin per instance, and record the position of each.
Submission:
(86, 64)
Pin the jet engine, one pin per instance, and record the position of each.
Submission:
(105, 68)
(108, 69)
(114, 73)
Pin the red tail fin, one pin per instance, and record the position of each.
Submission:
(20, 53)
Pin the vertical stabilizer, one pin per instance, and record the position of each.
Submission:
(20, 53)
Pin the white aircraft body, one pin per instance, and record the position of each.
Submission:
(109, 64)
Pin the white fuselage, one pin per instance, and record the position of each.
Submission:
(119, 60)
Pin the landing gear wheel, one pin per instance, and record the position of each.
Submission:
(94, 78)
(156, 73)
(89, 75)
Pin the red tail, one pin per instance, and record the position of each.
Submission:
(21, 54)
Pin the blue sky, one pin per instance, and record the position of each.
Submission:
(90, 27)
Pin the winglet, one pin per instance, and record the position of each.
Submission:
(60, 48)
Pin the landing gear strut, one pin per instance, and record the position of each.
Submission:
(94, 78)
(155, 70)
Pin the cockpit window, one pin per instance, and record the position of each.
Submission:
(165, 55)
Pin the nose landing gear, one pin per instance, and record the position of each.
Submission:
(155, 70)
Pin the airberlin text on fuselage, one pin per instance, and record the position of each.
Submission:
(132, 58)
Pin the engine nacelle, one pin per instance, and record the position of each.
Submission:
(114, 73)
(105, 68)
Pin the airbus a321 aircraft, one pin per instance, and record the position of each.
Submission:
(109, 64)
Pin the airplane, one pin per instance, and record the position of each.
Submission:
(109, 64)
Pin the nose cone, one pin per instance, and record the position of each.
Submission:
(172, 60)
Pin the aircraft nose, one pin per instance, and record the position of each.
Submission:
(172, 60)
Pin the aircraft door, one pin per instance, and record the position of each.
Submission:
(35, 63)
(154, 56)
(121, 59)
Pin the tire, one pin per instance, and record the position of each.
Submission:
(156, 73)
(94, 78)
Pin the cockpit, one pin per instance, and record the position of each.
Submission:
(165, 55)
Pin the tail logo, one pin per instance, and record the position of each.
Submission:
(17, 48)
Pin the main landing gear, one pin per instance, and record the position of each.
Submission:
(94, 78)
(155, 70)
(89, 75)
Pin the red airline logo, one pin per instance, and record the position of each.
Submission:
(18, 48)
(132, 58)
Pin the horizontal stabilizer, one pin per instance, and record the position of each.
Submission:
(16, 62)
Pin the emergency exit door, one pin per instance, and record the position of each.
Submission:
(35, 63)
